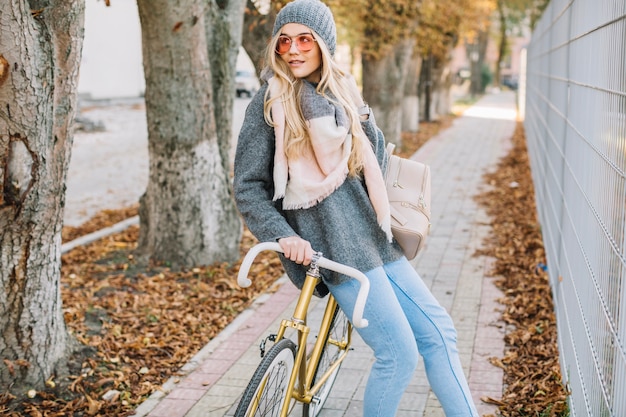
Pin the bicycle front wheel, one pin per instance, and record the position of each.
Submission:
(267, 391)
(336, 344)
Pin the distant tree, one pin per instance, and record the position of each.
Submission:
(410, 101)
(475, 29)
(535, 11)
(40, 49)
(438, 33)
(513, 16)
(257, 29)
(385, 33)
(187, 214)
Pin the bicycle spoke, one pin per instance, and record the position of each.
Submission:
(271, 405)
(267, 390)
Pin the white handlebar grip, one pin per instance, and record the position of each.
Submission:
(242, 276)
(359, 305)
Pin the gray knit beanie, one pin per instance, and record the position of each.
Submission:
(311, 13)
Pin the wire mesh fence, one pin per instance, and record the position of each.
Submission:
(575, 122)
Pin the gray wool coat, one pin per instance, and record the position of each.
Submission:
(342, 226)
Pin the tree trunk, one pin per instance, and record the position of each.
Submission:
(257, 30)
(441, 103)
(502, 45)
(38, 99)
(383, 87)
(187, 216)
(426, 90)
(476, 53)
(224, 39)
(410, 102)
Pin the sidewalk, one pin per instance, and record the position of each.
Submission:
(459, 156)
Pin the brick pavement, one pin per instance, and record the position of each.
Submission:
(458, 156)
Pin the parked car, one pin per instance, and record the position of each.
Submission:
(246, 83)
(510, 82)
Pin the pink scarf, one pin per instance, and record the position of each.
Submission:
(307, 180)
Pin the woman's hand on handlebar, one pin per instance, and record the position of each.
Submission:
(296, 249)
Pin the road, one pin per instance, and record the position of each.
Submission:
(109, 168)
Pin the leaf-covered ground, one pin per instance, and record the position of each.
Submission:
(532, 375)
(137, 325)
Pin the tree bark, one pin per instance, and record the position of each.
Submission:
(224, 39)
(410, 102)
(441, 101)
(426, 88)
(41, 45)
(441, 92)
(187, 215)
(257, 31)
(477, 51)
(502, 44)
(383, 87)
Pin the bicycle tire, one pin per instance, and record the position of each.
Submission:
(265, 394)
(339, 329)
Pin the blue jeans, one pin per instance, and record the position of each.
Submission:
(405, 317)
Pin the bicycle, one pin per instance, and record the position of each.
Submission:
(286, 374)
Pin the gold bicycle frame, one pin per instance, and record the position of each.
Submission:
(304, 368)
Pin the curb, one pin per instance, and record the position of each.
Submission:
(99, 234)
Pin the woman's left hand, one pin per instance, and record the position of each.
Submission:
(296, 249)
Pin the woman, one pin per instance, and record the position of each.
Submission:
(308, 175)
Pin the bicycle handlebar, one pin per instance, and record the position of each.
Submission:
(359, 306)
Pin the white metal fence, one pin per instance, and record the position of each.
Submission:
(575, 122)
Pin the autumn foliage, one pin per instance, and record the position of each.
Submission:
(533, 380)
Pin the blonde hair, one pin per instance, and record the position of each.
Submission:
(334, 80)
